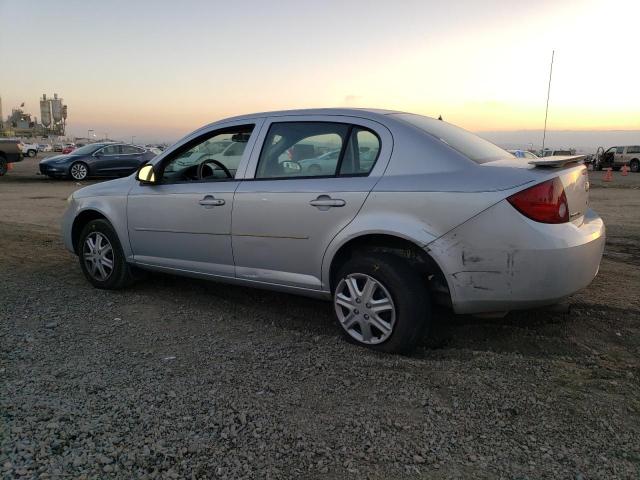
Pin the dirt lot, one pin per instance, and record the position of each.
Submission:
(178, 378)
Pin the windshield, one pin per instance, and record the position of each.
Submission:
(86, 150)
(471, 146)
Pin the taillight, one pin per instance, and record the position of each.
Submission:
(545, 202)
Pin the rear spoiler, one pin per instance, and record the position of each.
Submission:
(557, 160)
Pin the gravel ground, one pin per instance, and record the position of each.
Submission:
(177, 378)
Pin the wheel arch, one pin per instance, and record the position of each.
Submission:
(389, 242)
(79, 222)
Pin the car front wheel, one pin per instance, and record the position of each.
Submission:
(635, 166)
(79, 171)
(382, 302)
(101, 256)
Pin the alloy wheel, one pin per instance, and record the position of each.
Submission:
(98, 256)
(79, 171)
(364, 308)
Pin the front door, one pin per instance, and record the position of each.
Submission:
(311, 179)
(184, 222)
(107, 160)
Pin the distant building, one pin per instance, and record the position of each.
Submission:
(22, 124)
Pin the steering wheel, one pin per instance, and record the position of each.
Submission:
(217, 164)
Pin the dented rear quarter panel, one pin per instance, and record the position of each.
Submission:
(500, 260)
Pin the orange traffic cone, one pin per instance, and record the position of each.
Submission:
(625, 170)
(608, 175)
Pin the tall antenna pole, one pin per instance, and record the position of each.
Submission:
(546, 112)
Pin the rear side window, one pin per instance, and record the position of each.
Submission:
(317, 149)
(131, 150)
(111, 150)
(302, 149)
(635, 149)
(361, 152)
(471, 146)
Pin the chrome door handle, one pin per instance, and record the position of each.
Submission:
(211, 201)
(327, 202)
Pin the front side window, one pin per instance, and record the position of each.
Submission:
(215, 156)
(619, 149)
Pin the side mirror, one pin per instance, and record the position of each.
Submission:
(146, 175)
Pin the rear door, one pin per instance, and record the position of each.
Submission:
(130, 159)
(286, 211)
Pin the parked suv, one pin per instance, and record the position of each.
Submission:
(411, 211)
(616, 157)
(10, 152)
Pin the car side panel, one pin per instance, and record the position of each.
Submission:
(420, 217)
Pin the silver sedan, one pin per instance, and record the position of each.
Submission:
(411, 211)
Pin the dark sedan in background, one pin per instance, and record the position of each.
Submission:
(97, 160)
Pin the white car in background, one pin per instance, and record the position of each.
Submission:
(29, 149)
(523, 154)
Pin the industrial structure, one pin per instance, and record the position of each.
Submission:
(53, 117)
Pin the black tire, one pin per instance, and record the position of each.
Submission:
(408, 291)
(121, 274)
(4, 166)
(80, 172)
(634, 165)
(31, 153)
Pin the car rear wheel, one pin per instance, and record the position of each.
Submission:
(634, 165)
(101, 257)
(31, 153)
(382, 302)
(79, 171)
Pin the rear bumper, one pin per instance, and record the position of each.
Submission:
(501, 260)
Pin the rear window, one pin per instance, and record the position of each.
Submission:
(471, 146)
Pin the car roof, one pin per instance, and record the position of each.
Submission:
(371, 113)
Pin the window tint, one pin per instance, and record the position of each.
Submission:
(234, 149)
(361, 152)
(635, 149)
(619, 149)
(471, 146)
(111, 150)
(301, 149)
(223, 147)
(130, 150)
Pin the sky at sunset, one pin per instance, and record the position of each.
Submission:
(159, 69)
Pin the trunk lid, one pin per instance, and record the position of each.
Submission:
(572, 173)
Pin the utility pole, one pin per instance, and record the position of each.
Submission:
(546, 112)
